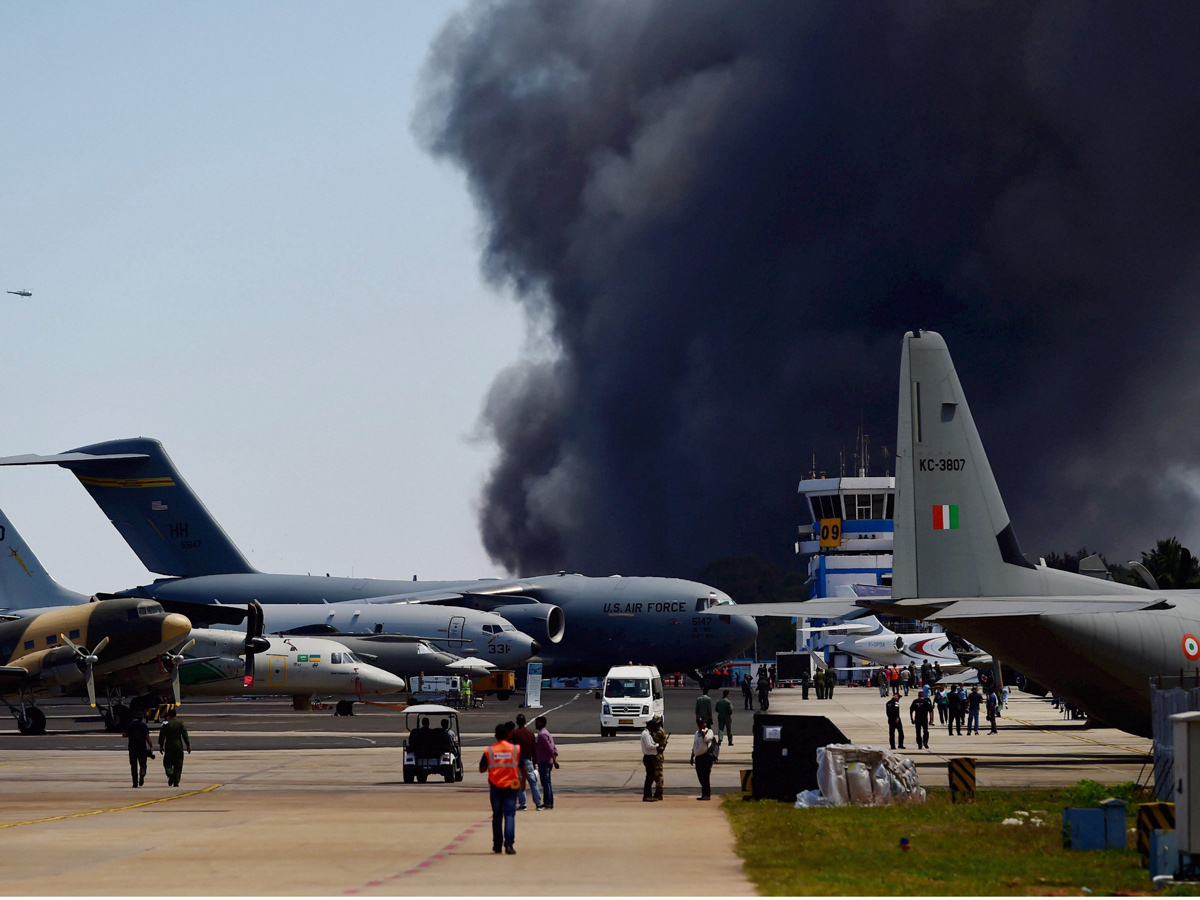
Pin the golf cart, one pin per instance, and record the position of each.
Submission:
(433, 750)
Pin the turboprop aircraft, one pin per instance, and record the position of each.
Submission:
(582, 624)
(956, 560)
(21, 293)
(215, 666)
(46, 654)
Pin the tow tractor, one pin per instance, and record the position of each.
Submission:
(434, 750)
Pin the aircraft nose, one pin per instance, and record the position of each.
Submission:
(377, 681)
(745, 632)
(175, 626)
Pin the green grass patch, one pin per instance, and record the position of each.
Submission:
(954, 849)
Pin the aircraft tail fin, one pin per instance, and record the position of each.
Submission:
(24, 582)
(953, 537)
(137, 486)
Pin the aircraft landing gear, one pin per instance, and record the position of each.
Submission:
(31, 720)
(344, 708)
(116, 716)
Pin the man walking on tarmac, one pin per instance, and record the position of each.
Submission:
(725, 717)
(920, 711)
(140, 748)
(895, 723)
(172, 739)
(649, 760)
(502, 762)
(704, 706)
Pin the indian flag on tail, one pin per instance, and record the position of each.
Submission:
(945, 517)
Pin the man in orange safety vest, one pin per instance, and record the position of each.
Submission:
(506, 778)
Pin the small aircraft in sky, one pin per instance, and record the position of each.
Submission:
(21, 293)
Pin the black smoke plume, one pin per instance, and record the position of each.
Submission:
(726, 214)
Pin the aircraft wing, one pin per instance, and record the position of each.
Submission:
(11, 678)
(810, 609)
(992, 607)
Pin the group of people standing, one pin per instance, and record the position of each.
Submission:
(518, 758)
(897, 679)
(766, 684)
(953, 705)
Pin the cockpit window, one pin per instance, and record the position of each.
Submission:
(508, 626)
(149, 609)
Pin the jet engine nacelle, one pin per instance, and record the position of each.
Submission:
(544, 622)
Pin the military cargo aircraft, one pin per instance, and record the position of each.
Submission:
(582, 624)
(21, 293)
(956, 560)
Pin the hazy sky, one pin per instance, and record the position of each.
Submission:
(235, 246)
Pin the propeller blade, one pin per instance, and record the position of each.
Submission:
(70, 643)
(254, 639)
(100, 646)
(91, 687)
(175, 684)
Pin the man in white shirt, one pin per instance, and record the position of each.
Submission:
(702, 757)
(649, 757)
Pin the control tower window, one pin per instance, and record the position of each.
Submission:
(891, 506)
(877, 501)
(826, 507)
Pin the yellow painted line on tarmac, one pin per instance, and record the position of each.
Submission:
(96, 812)
(1081, 738)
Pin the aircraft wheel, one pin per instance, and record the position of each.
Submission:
(408, 777)
(422, 777)
(344, 708)
(33, 721)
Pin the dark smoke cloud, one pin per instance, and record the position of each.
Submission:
(727, 214)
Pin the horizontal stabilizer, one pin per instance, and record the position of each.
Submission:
(57, 459)
(993, 607)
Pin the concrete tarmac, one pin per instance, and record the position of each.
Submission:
(330, 820)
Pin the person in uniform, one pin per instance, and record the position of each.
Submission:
(465, 693)
(764, 688)
(819, 684)
(140, 748)
(502, 763)
(747, 692)
(725, 717)
(172, 740)
(895, 723)
(660, 743)
(704, 705)
(830, 683)
(920, 712)
(804, 680)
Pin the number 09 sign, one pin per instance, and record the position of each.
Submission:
(831, 532)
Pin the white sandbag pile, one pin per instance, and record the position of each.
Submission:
(865, 776)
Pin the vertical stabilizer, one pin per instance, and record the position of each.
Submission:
(24, 583)
(953, 536)
(155, 510)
